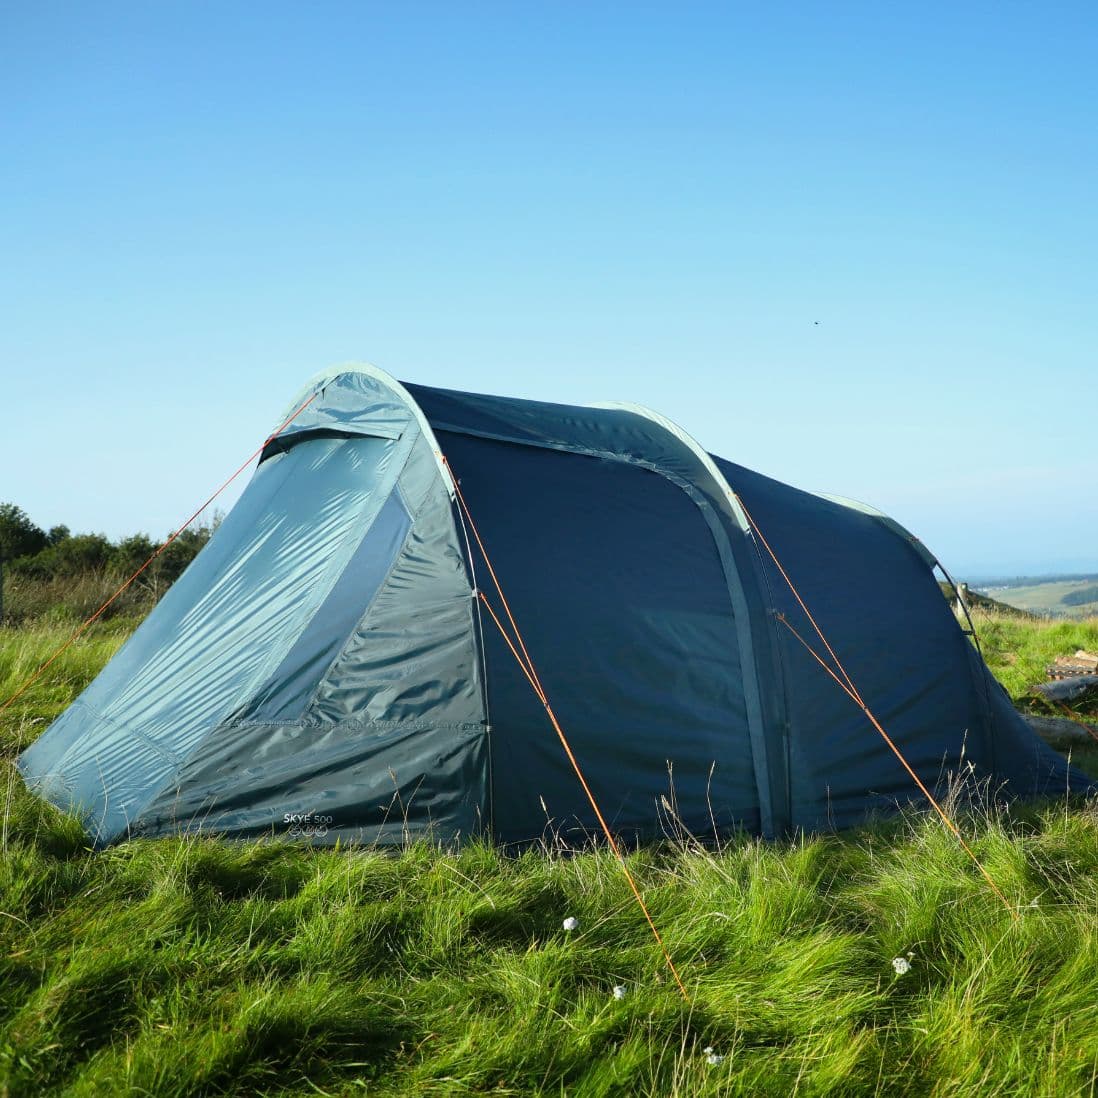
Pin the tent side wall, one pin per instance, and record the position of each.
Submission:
(622, 563)
(639, 659)
(876, 600)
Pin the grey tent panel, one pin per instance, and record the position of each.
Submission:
(324, 668)
(285, 695)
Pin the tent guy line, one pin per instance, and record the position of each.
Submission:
(534, 679)
(527, 664)
(533, 675)
(598, 811)
(87, 623)
(852, 692)
(852, 689)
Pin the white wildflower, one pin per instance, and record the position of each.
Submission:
(711, 1057)
(571, 923)
(901, 965)
(619, 991)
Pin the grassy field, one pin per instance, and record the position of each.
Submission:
(1048, 597)
(1018, 652)
(194, 967)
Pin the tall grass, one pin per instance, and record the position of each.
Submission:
(1018, 651)
(193, 966)
(23, 651)
(69, 600)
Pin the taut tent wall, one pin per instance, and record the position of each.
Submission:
(323, 663)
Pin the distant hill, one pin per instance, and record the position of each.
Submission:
(1081, 597)
(1074, 596)
(988, 582)
(980, 601)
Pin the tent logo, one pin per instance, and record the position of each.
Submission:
(306, 824)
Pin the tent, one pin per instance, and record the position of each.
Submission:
(325, 669)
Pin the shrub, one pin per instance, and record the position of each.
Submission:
(19, 537)
(65, 577)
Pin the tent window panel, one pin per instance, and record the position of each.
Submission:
(241, 603)
(293, 683)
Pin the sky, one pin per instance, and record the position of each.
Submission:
(852, 246)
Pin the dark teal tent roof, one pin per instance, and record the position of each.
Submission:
(324, 668)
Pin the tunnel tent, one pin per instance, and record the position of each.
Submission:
(325, 668)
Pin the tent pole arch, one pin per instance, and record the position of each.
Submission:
(769, 732)
(318, 382)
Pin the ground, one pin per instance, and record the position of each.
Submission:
(197, 967)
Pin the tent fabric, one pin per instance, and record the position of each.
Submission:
(324, 668)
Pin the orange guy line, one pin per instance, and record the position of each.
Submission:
(533, 678)
(86, 624)
(852, 692)
(594, 803)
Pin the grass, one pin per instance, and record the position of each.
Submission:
(68, 600)
(197, 967)
(1018, 651)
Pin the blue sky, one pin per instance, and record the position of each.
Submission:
(852, 246)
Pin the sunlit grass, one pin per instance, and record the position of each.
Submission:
(1018, 651)
(194, 966)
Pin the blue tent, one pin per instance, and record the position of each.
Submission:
(324, 667)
